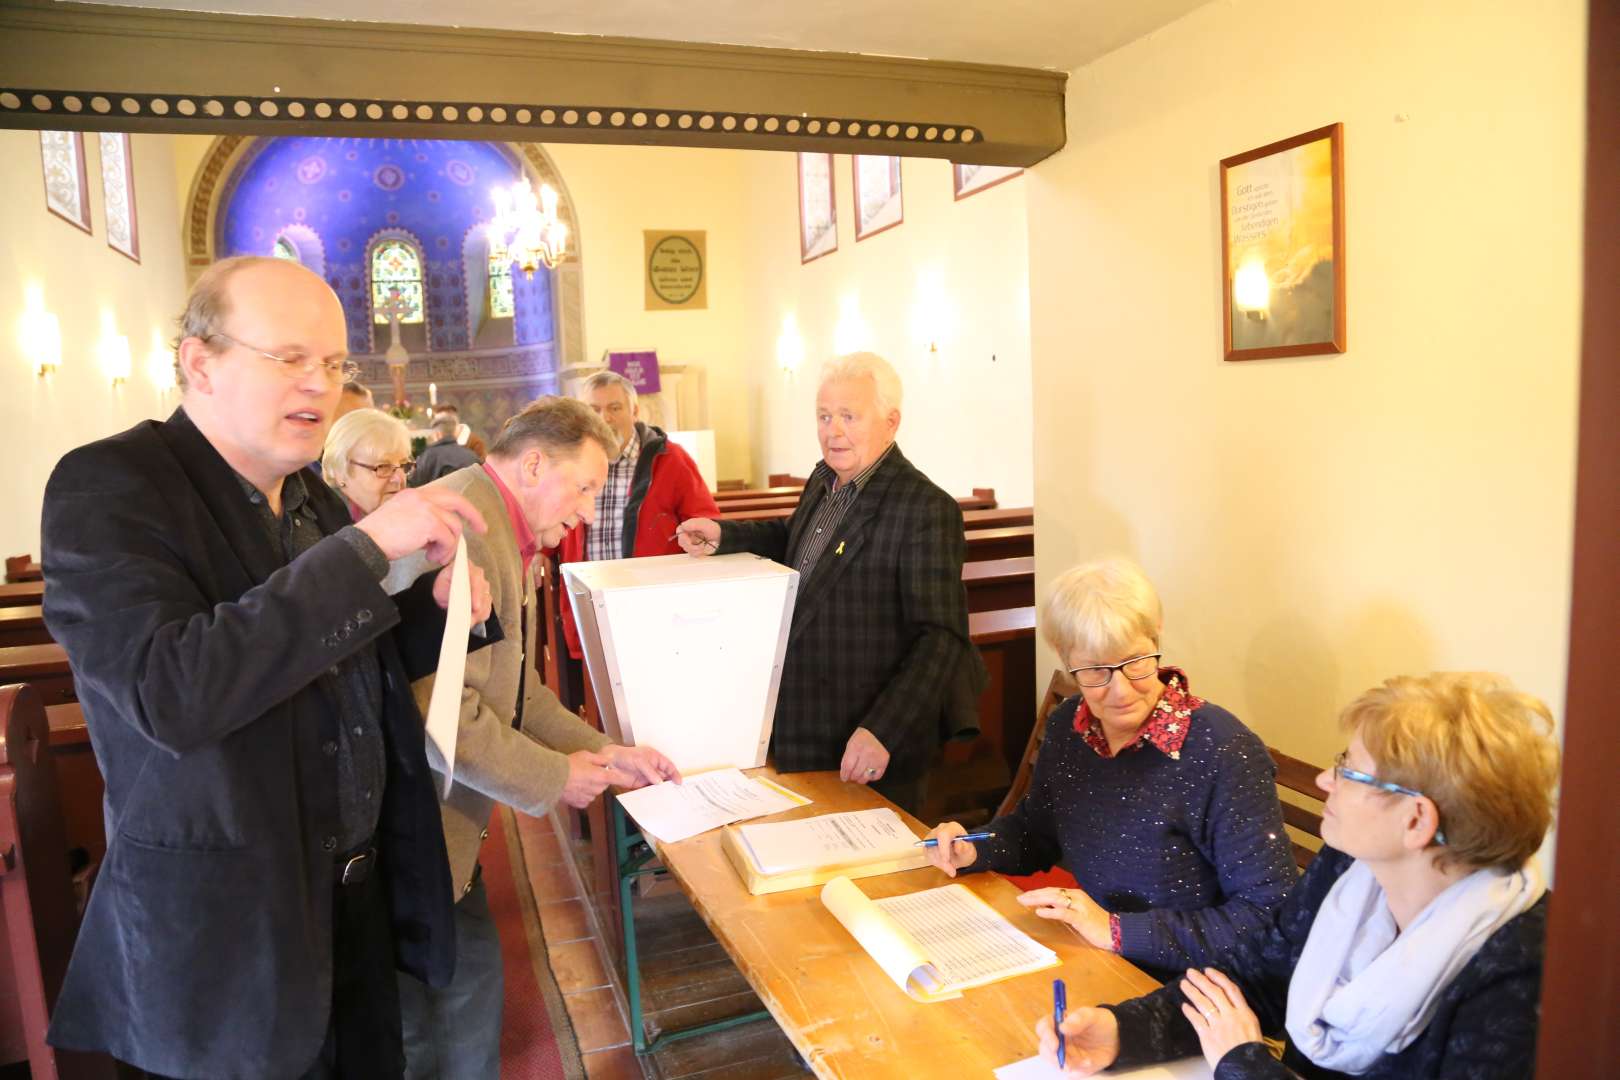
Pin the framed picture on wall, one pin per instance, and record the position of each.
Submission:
(818, 218)
(971, 179)
(67, 191)
(118, 187)
(878, 204)
(1282, 248)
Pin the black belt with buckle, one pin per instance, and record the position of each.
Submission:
(356, 866)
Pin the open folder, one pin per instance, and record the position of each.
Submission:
(936, 943)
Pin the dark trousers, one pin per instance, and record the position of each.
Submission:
(363, 1038)
(455, 1033)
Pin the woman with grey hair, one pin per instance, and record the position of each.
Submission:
(367, 459)
(1162, 805)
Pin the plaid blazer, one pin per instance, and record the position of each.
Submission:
(880, 631)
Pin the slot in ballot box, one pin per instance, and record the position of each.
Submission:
(685, 654)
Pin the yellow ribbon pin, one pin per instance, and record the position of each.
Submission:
(840, 549)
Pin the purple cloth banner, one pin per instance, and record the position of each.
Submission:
(641, 368)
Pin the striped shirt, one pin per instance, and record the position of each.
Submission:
(831, 513)
(605, 539)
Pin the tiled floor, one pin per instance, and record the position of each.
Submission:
(604, 1037)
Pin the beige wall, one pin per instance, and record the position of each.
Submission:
(954, 274)
(95, 292)
(618, 191)
(1318, 524)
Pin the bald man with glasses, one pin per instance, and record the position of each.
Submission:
(274, 847)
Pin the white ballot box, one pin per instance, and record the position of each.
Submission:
(685, 654)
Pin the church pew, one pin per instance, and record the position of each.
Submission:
(79, 780)
(730, 507)
(22, 594)
(1004, 543)
(782, 479)
(744, 494)
(23, 626)
(38, 915)
(23, 568)
(986, 518)
(993, 584)
(44, 667)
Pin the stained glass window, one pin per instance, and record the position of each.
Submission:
(500, 288)
(284, 250)
(396, 282)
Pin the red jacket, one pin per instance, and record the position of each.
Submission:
(665, 490)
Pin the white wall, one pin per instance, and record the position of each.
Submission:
(95, 292)
(955, 274)
(618, 191)
(1316, 525)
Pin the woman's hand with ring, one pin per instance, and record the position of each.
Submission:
(1075, 908)
(1216, 1010)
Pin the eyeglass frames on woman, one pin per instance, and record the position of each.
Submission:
(338, 371)
(1341, 771)
(1135, 669)
(385, 470)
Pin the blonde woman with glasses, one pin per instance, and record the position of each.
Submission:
(367, 459)
(1413, 945)
(1162, 805)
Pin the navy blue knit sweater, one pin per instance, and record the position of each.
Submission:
(1484, 1025)
(1189, 852)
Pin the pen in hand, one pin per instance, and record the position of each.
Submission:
(1060, 1005)
(931, 842)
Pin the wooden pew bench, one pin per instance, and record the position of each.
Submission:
(22, 594)
(23, 626)
(44, 667)
(993, 584)
(1009, 542)
(23, 568)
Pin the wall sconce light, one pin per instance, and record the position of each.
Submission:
(933, 317)
(42, 340)
(789, 346)
(851, 333)
(116, 358)
(160, 365)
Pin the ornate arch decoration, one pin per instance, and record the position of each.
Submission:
(214, 182)
(307, 242)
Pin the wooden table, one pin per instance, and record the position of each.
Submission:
(842, 1013)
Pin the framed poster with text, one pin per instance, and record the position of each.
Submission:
(677, 270)
(818, 218)
(1282, 248)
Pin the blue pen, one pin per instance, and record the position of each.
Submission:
(1060, 1005)
(931, 842)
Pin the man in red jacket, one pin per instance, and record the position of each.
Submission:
(652, 486)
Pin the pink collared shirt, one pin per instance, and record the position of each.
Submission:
(526, 542)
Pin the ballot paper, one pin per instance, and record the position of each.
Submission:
(936, 943)
(669, 811)
(858, 836)
(1036, 1069)
(444, 707)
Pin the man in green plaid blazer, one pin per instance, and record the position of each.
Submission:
(879, 667)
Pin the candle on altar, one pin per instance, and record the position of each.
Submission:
(433, 394)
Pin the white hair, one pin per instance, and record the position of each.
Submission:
(610, 378)
(1101, 607)
(865, 365)
(367, 431)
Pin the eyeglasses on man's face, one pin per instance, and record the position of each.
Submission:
(385, 470)
(1135, 669)
(297, 364)
(1341, 771)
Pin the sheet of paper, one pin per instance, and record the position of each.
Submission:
(895, 951)
(968, 942)
(1036, 1069)
(845, 839)
(444, 707)
(670, 812)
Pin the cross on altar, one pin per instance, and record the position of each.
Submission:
(398, 306)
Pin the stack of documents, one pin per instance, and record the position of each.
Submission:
(669, 811)
(784, 855)
(936, 943)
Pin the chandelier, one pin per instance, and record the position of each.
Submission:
(526, 229)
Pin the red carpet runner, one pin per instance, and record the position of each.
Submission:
(537, 1040)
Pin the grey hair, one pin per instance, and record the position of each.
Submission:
(370, 430)
(610, 378)
(1101, 607)
(865, 365)
(447, 425)
(209, 303)
(557, 425)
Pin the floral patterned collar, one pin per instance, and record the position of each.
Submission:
(1165, 728)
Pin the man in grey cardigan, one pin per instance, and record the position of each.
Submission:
(516, 744)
